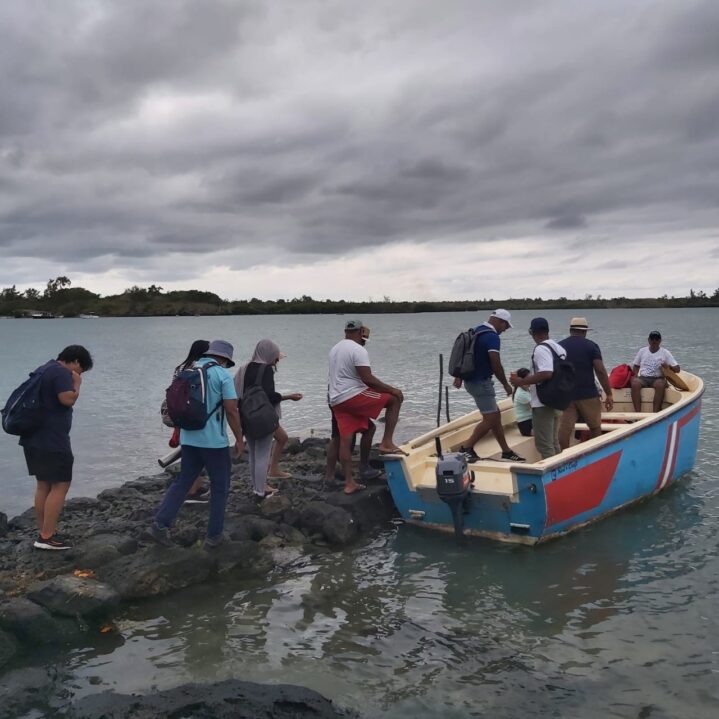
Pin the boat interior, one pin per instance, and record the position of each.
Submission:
(493, 475)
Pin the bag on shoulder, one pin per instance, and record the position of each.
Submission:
(558, 391)
(621, 377)
(461, 358)
(257, 414)
(23, 412)
(186, 398)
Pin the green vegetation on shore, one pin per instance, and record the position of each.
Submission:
(59, 298)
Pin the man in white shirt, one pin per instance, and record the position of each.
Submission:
(647, 367)
(545, 420)
(356, 396)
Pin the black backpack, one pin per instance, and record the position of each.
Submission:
(558, 391)
(23, 412)
(258, 416)
(461, 358)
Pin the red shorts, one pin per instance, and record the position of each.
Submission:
(353, 415)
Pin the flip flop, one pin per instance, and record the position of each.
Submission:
(358, 488)
(282, 475)
(393, 451)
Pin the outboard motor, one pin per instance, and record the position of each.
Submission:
(453, 486)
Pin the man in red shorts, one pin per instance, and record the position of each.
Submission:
(356, 396)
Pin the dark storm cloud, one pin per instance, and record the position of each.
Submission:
(137, 130)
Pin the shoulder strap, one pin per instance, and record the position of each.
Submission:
(260, 374)
(550, 348)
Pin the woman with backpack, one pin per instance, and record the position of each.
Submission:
(197, 494)
(260, 411)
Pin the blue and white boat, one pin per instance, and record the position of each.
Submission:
(637, 455)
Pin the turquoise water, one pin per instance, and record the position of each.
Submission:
(616, 621)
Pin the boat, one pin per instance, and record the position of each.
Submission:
(638, 455)
(88, 316)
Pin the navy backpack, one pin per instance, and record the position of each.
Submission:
(187, 398)
(23, 412)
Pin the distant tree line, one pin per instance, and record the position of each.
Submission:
(60, 299)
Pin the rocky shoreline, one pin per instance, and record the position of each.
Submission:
(55, 600)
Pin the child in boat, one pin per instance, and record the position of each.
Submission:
(522, 407)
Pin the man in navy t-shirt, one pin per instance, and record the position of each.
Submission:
(481, 387)
(48, 452)
(586, 357)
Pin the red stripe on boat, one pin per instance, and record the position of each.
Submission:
(671, 451)
(581, 490)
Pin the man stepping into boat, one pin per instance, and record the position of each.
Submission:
(545, 420)
(356, 396)
(649, 363)
(480, 385)
(586, 403)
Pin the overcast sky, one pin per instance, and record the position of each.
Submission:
(410, 148)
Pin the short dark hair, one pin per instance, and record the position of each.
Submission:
(78, 353)
(522, 372)
(655, 334)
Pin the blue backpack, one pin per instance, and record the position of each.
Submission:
(187, 398)
(23, 412)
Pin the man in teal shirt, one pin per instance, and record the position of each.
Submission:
(206, 448)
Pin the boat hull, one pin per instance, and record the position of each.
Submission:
(550, 499)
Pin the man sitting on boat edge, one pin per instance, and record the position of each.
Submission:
(648, 364)
(356, 396)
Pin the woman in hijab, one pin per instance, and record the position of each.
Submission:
(266, 353)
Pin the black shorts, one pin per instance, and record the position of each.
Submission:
(49, 467)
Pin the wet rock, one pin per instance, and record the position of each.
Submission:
(8, 647)
(156, 570)
(230, 699)
(187, 536)
(334, 523)
(369, 508)
(26, 692)
(237, 529)
(81, 504)
(70, 595)
(289, 534)
(101, 549)
(259, 527)
(23, 522)
(276, 506)
(239, 559)
(30, 623)
(293, 446)
(3, 524)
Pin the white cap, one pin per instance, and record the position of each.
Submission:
(503, 315)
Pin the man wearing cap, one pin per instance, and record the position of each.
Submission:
(586, 357)
(206, 448)
(648, 364)
(481, 387)
(356, 396)
(545, 420)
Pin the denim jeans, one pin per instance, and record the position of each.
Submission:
(194, 460)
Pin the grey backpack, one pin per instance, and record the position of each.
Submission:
(258, 416)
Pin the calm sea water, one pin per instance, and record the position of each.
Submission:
(616, 621)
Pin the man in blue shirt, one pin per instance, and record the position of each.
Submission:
(48, 452)
(586, 357)
(481, 387)
(206, 447)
